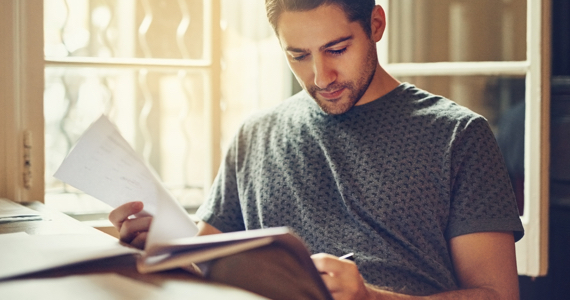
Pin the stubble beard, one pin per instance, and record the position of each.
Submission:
(356, 89)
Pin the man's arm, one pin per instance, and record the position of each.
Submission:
(486, 261)
(206, 229)
(485, 266)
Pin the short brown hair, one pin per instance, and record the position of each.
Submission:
(355, 10)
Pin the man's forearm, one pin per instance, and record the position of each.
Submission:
(474, 293)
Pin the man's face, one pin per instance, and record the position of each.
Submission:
(333, 59)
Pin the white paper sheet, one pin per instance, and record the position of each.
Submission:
(21, 253)
(14, 212)
(103, 165)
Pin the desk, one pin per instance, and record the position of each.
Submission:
(111, 278)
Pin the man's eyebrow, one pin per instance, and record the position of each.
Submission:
(293, 49)
(323, 47)
(337, 41)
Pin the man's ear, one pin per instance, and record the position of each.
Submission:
(377, 23)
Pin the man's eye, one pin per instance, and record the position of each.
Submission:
(299, 58)
(337, 52)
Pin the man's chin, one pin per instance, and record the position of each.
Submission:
(337, 107)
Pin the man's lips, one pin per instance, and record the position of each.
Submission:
(332, 95)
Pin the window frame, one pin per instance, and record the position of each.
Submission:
(532, 249)
(22, 85)
(21, 106)
(211, 63)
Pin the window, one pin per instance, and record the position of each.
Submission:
(493, 57)
(177, 77)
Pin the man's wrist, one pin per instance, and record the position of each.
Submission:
(376, 293)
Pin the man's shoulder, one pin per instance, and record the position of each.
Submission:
(437, 106)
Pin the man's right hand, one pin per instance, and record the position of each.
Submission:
(132, 231)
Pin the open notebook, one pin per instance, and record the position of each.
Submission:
(103, 165)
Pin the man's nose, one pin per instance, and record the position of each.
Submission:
(325, 74)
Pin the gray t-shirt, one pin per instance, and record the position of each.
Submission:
(392, 181)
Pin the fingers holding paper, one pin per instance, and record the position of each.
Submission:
(341, 277)
(132, 230)
(135, 231)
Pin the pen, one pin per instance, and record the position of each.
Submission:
(349, 256)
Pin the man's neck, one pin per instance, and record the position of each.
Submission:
(382, 83)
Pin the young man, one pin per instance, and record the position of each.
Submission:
(410, 182)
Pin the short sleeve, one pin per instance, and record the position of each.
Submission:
(482, 197)
(222, 209)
